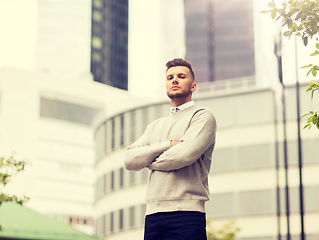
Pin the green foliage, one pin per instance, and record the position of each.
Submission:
(314, 116)
(227, 232)
(313, 86)
(312, 120)
(301, 18)
(8, 168)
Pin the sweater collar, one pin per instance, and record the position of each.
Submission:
(182, 107)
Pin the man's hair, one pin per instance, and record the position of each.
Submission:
(180, 62)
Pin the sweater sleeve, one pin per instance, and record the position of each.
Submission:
(141, 153)
(197, 139)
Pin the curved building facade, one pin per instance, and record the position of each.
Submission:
(243, 178)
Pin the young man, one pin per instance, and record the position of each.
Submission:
(178, 151)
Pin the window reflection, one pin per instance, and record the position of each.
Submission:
(97, 3)
(67, 111)
(97, 42)
(97, 16)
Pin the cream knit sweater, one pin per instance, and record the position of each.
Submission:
(179, 176)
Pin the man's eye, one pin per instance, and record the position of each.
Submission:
(181, 76)
(169, 78)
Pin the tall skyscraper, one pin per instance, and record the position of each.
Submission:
(109, 45)
(220, 38)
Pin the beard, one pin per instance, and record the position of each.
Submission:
(176, 95)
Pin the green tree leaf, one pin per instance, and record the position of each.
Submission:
(298, 15)
(307, 66)
(287, 33)
(315, 53)
(273, 13)
(314, 73)
(271, 4)
(307, 126)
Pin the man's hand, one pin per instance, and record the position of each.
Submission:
(173, 143)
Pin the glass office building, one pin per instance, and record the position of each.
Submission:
(109, 44)
(220, 38)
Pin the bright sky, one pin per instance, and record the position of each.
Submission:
(18, 33)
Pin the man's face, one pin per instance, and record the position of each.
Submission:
(179, 82)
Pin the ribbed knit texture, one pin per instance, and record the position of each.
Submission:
(179, 176)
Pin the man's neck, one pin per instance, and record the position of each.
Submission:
(178, 102)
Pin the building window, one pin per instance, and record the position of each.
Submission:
(97, 43)
(105, 138)
(122, 129)
(132, 117)
(112, 180)
(112, 222)
(113, 133)
(97, 3)
(121, 177)
(57, 109)
(97, 16)
(96, 57)
(104, 177)
(121, 219)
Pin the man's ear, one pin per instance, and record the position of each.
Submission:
(194, 86)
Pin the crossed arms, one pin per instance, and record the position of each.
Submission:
(171, 155)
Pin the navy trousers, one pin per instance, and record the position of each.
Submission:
(179, 225)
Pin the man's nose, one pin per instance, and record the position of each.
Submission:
(175, 80)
